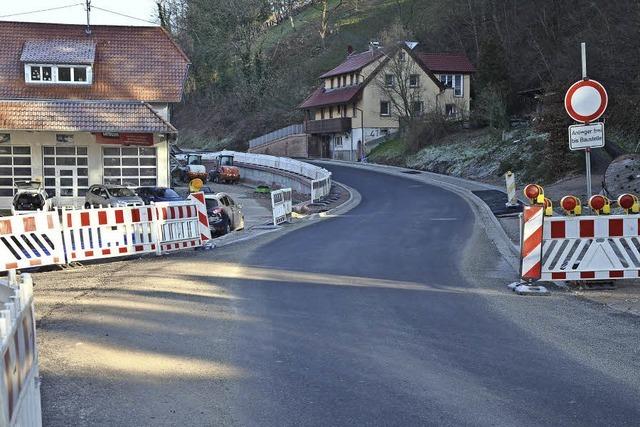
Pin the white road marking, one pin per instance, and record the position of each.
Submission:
(443, 219)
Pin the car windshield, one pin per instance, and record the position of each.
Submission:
(212, 204)
(121, 192)
(165, 193)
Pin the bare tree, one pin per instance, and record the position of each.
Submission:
(326, 11)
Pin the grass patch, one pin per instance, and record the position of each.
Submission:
(392, 152)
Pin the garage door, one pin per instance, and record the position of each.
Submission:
(15, 165)
(130, 166)
(66, 172)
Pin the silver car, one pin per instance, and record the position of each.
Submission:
(111, 195)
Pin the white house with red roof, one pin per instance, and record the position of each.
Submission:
(79, 108)
(357, 101)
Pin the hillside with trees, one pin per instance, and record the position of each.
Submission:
(254, 61)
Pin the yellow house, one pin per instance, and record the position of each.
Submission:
(368, 95)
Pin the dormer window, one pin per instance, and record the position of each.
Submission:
(60, 74)
(68, 62)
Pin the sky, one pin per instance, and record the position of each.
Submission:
(144, 10)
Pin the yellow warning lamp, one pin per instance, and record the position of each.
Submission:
(600, 204)
(571, 205)
(629, 203)
(195, 185)
(534, 193)
(548, 207)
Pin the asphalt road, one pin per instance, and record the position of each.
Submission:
(395, 313)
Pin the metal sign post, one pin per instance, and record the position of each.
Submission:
(587, 151)
(585, 102)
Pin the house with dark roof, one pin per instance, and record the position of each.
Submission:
(80, 108)
(367, 95)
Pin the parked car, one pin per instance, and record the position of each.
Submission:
(30, 196)
(225, 215)
(111, 195)
(157, 194)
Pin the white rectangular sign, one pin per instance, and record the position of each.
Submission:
(586, 136)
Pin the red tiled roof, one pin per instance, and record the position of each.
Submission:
(322, 96)
(86, 116)
(446, 62)
(354, 62)
(131, 63)
(59, 52)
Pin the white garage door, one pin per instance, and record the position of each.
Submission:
(15, 165)
(130, 166)
(66, 172)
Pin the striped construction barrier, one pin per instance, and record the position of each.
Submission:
(178, 226)
(108, 232)
(30, 240)
(20, 386)
(45, 238)
(531, 243)
(591, 248)
(281, 205)
(512, 198)
(203, 219)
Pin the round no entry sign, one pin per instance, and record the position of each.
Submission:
(586, 101)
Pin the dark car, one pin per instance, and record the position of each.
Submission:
(157, 194)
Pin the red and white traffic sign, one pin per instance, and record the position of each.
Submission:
(586, 101)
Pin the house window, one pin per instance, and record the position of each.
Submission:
(454, 81)
(451, 110)
(355, 111)
(130, 166)
(322, 114)
(338, 141)
(331, 112)
(414, 80)
(15, 165)
(344, 80)
(402, 56)
(388, 80)
(40, 73)
(78, 74)
(385, 108)
(417, 107)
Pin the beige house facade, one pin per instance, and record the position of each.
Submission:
(367, 96)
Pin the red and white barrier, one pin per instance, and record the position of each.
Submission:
(20, 385)
(108, 232)
(591, 248)
(203, 219)
(531, 245)
(30, 240)
(178, 226)
(41, 239)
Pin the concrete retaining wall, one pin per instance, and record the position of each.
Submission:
(275, 179)
(289, 146)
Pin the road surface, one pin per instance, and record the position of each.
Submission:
(395, 313)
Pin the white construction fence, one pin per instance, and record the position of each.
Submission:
(48, 238)
(314, 174)
(282, 205)
(20, 387)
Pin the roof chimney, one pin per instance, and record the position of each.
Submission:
(349, 50)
